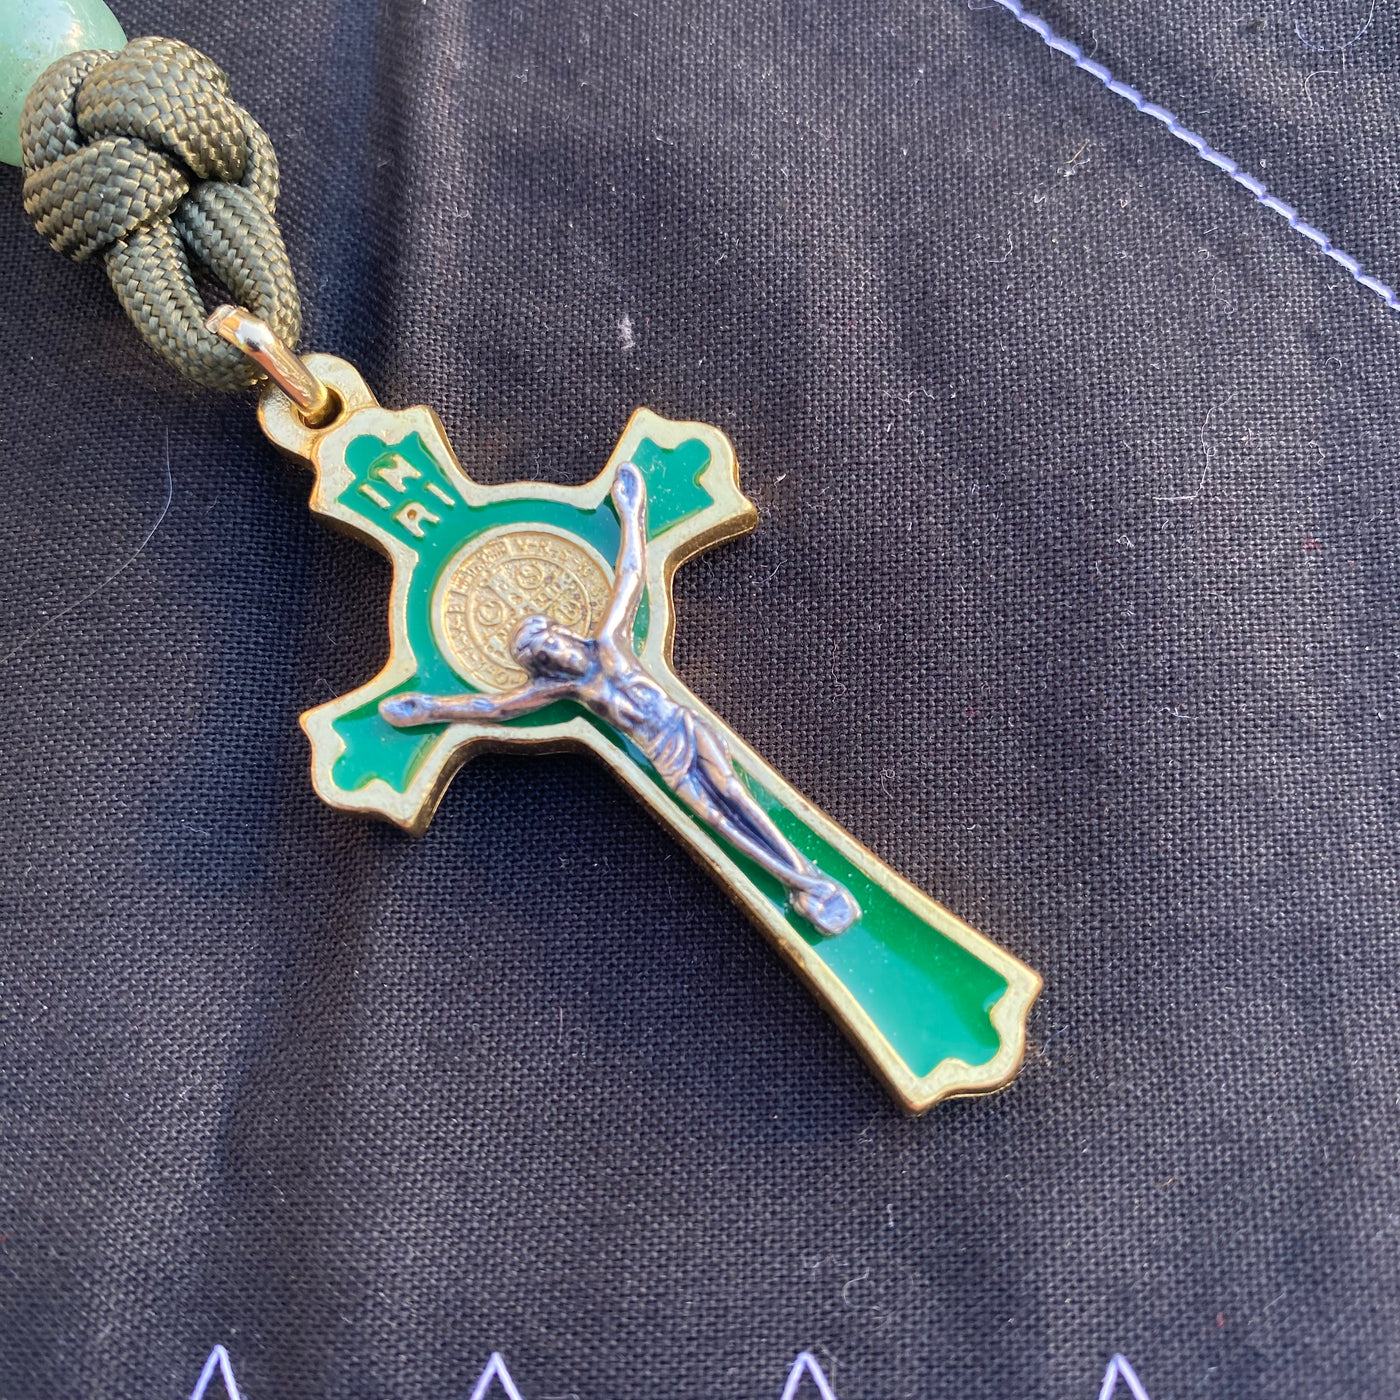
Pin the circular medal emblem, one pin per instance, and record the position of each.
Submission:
(498, 581)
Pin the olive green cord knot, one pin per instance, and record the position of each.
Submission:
(143, 157)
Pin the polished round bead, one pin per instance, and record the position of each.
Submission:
(36, 33)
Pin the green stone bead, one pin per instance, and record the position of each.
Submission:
(36, 33)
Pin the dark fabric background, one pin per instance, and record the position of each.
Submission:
(1075, 596)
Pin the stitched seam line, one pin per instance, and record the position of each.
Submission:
(1202, 148)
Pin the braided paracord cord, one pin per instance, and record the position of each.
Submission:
(143, 157)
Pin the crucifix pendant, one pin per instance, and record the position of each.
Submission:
(540, 616)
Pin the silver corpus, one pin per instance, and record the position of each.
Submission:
(604, 673)
(256, 339)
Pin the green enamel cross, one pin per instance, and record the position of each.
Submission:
(933, 1006)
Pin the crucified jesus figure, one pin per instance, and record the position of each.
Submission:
(604, 673)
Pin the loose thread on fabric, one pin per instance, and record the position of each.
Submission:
(116, 573)
(1341, 48)
(805, 1365)
(1201, 146)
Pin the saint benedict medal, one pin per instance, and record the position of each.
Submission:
(523, 616)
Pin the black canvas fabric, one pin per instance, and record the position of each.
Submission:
(1074, 596)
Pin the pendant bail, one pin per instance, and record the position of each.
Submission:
(256, 339)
